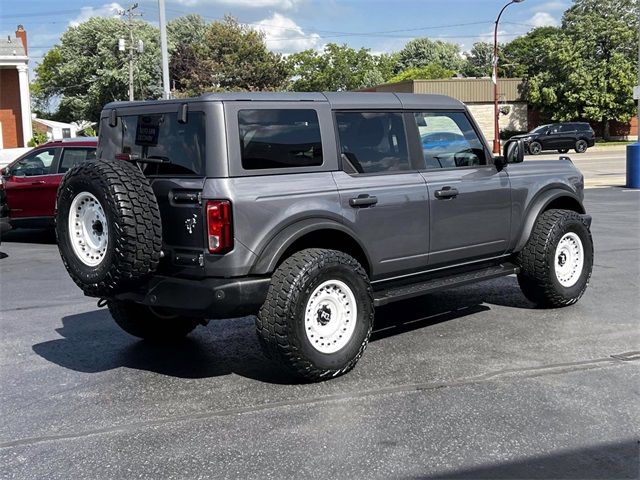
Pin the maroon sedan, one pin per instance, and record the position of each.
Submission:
(30, 182)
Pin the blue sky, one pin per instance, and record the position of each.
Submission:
(293, 25)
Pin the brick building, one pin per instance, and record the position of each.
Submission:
(15, 103)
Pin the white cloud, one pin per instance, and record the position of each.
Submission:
(284, 35)
(275, 4)
(552, 5)
(543, 19)
(106, 10)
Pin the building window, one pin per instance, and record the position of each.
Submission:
(66, 133)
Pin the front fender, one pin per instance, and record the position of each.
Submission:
(539, 204)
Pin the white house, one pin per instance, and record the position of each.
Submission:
(55, 130)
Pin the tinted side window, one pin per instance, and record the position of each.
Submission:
(583, 127)
(73, 156)
(567, 127)
(373, 142)
(279, 138)
(36, 163)
(448, 140)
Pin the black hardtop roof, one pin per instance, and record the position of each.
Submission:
(337, 100)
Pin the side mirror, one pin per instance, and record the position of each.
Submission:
(512, 152)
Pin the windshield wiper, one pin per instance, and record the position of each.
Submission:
(134, 157)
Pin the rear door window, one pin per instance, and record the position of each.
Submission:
(373, 142)
(73, 156)
(448, 140)
(279, 138)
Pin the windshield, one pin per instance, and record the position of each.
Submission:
(180, 146)
(540, 129)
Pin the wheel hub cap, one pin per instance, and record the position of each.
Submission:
(88, 232)
(330, 316)
(569, 259)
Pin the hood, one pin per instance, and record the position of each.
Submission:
(524, 135)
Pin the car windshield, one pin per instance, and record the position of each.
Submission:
(180, 146)
(540, 129)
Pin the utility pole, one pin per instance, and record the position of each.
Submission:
(166, 88)
(130, 16)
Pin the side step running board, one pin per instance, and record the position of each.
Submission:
(393, 294)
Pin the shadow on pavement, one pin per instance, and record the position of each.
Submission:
(92, 342)
(30, 235)
(607, 461)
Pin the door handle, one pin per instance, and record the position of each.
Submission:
(446, 192)
(363, 200)
(39, 182)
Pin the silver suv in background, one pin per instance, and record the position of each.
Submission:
(308, 210)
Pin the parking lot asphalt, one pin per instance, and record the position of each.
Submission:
(471, 383)
(601, 166)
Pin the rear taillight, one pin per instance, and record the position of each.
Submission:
(219, 226)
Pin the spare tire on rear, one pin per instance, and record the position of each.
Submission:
(108, 227)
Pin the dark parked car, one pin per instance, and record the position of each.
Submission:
(29, 184)
(559, 136)
(308, 210)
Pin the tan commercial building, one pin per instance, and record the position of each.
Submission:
(477, 94)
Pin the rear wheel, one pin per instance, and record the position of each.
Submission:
(535, 148)
(318, 314)
(581, 146)
(144, 322)
(557, 260)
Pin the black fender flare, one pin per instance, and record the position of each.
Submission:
(276, 247)
(537, 206)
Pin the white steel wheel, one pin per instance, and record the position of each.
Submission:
(88, 231)
(569, 259)
(330, 316)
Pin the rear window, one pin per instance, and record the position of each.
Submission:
(180, 146)
(279, 138)
(583, 127)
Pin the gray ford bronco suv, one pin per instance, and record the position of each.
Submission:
(308, 210)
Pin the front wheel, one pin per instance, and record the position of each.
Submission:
(144, 322)
(581, 146)
(535, 148)
(557, 260)
(318, 315)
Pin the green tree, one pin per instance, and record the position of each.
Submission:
(86, 69)
(479, 62)
(186, 30)
(230, 57)
(590, 68)
(424, 51)
(337, 68)
(428, 72)
(524, 56)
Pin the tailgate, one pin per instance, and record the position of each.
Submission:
(183, 229)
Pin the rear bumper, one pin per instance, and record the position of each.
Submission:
(211, 298)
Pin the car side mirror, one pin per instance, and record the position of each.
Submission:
(512, 152)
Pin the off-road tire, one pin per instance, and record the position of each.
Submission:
(581, 146)
(280, 324)
(133, 219)
(563, 150)
(537, 277)
(142, 322)
(535, 148)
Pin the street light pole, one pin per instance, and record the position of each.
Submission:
(496, 113)
(166, 90)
